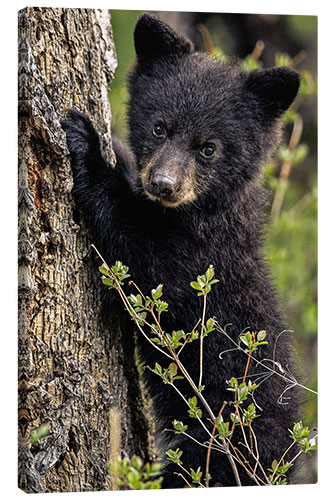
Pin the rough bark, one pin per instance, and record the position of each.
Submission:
(72, 372)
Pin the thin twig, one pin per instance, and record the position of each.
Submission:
(247, 366)
(130, 309)
(187, 403)
(188, 473)
(250, 432)
(258, 49)
(257, 362)
(202, 337)
(212, 438)
(298, 59)
(183, 477)
(257, 457)
(282, 457)
(208, 44)
(188, 336)
(285, 170)
(243, 461)
(300, 205)
(136, 286)
(241, 425)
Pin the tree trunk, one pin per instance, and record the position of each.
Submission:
(73, 372)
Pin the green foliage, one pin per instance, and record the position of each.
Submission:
(135, 475)
(196, 475)
(168, 375)
(253, 340)
(295, 156)
(219, 55)
(174, 456)
(250, 414)
(249, 63)
(179, 427)
(41, 432)
(282, 59)
(118, 271)
(241, 390)
(292, 252)
(194, 411)
(303, 27)
(308, 85)
(204, 282)
(299, 434)
(279, 472)
(123, 22)
(223, 429)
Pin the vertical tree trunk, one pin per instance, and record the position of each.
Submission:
(73, 381)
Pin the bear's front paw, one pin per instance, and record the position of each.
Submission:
(82, 139)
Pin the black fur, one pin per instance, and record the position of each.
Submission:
(170, 239)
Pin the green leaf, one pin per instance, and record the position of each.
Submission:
(155, 468)
(140, 318)
(104, 270)
(137, 462)
(41, 432)
(219, 55)
(201, 281)
(207, 477)
(242, 392)
(196, 475)
(158, 369)
(284, 153)
(299, 154)
(195, 285)
(135, 300)
(246, 339)
(249, 63)
(178, 335)
(133, 476)
(308, 85)
(261, 335)
(210, 324)
(157, 293)
(179, 427)
(194, 412)
(282, 59)
(108, 282)
(193, 402)
(172, 369)
(174, 455)
(209, 273)
(193, 336)
(290, 116)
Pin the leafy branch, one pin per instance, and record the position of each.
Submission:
(141, 308)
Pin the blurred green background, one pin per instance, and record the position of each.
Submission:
(291, 178)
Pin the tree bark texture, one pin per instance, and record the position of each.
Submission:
(73, 371)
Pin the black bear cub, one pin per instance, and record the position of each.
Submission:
(186, 196)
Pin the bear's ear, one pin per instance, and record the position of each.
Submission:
(153, 39)
(276, 88)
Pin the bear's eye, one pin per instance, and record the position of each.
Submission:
(159, 130)
(208, 150)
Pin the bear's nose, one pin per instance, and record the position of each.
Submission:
(162, 185)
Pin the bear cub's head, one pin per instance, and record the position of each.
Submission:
(200, 128)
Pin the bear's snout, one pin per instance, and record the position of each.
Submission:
(162, 185)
